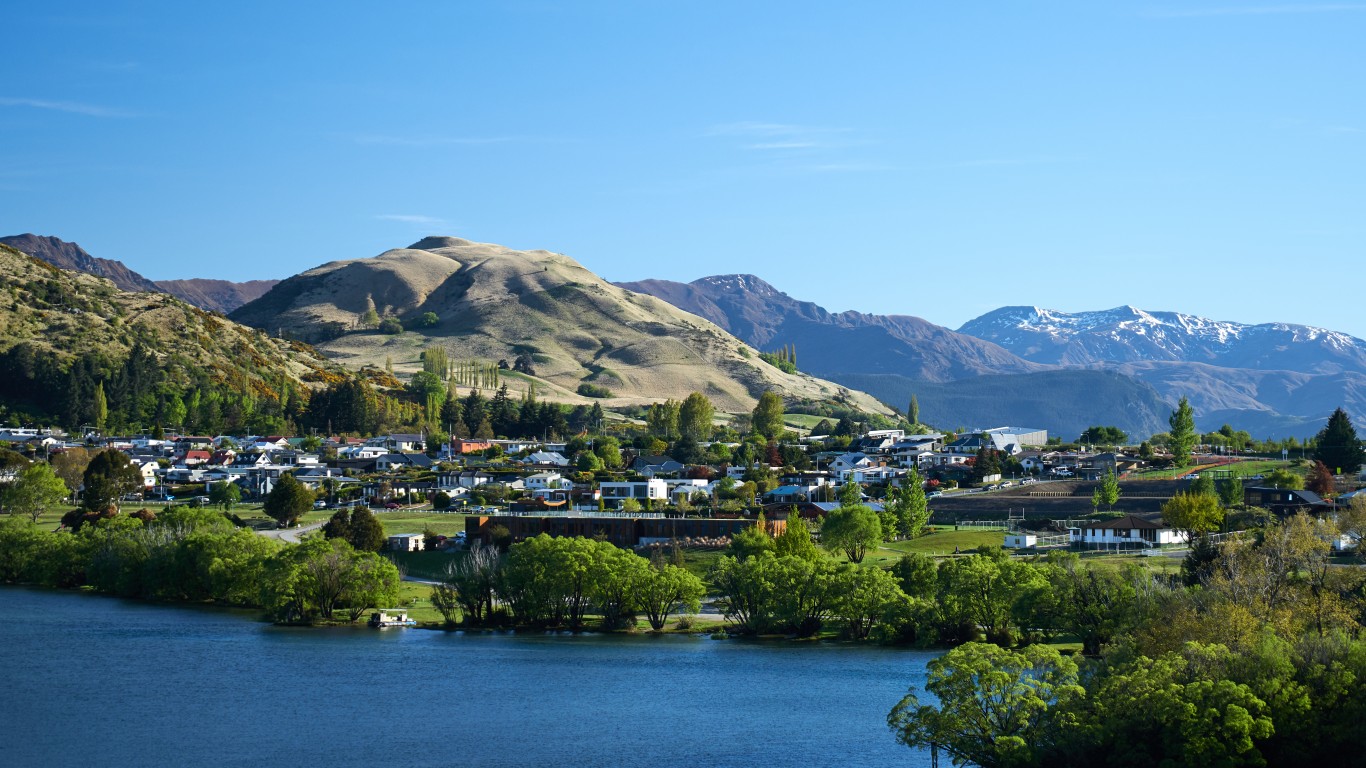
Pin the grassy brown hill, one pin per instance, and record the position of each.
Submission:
(495, 303)
(63, 332)
(216, 295)
(63, 255)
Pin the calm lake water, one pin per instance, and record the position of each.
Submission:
(96, 681)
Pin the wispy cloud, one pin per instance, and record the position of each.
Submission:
(429, 141)
(1255, 10)
(73, 107)
(769, 137)
(411, 218)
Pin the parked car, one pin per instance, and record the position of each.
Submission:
(391, 505)
(934, 494)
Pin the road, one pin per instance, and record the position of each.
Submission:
(291, 535)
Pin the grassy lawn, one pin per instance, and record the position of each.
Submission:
(940, 541)
(424, 565)
(802, 420)
(418, 520)
(1240, 468)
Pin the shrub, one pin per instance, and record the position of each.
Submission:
(390, 325)
(593, 390)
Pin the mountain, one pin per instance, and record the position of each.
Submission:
(1127, 334)
(157, 359)
(830, 344)
(1273, 378)
(494, 303)
(64, 255)
(1065, 402)
(216, 295)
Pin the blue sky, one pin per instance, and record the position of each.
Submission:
(932, 159)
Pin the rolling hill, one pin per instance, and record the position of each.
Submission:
(494, 303)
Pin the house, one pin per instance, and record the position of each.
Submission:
(547, 458)
(403, 443)
(655, 465)
(1285, 502)
(685, 488)
(467, 479)
(1129, 531)
(195, 457)
(614, 494)
(392, 461)
(546, 481)
(848, 462)
(460, 445)
(405, 542)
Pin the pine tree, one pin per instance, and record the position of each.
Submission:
(101, 406)
(1182, 439)
(1338, 446)
(913, 411)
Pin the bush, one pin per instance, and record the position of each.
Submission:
(593, 390)
(441, 500)
(390, 325)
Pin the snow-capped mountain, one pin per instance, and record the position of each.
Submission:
(1131, 335)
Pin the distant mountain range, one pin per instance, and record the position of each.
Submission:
(214, 295)
(1039, 367)
(1027, 365)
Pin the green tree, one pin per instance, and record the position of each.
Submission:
(108, 478)
(980, 592)
(1181, 439)
(390, 325)
(913, 411)
(101, 409)
(667, 590)
(1281, 477)
(1108, 490)
(767, 417)
(853, 530)
(225, 494)
(1110, 436)
(866, 596)
(795, 540)
(358, 527)
(608, 449)
(70, 465)
(33, 492)
(1196, 513)
(1231, 492)
(752, 540)
(1337, 444)
(997, 708)
(694, 417)
(661, 420)
(908, 505)
(288, 501)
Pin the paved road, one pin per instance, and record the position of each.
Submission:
(291, 535)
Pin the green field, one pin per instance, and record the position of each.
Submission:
(1240, 468)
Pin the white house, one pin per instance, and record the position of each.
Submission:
(405, 542)
(654, 489)
(1129, 532)
(542, 481)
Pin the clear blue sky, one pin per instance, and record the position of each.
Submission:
(926, 158)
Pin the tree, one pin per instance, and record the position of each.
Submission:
(1197, 513)
(609, 450)
(1182, 435)
(852, 530)
(752, 540)
(33, 492)
(1320, 480)
(767, 418)
(427, 320)
(694, 417)
(1103, 436)
(225, 494)
(70, 466)
(288, 501)
(996, 707)
(661, 420)
(390, 325)
(1231, 492)
(795, 540)
(865, 596)
(1281, 477)
(1108, 490)
(913, 411)
(910, 509)
(1337, 445)
(358, 527)
(108, 478)
(668, 589)
(101, 406)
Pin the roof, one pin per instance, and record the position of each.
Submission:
(1128, 522)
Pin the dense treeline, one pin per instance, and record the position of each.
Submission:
(198, 555)
(559, 582)
(1254, 656)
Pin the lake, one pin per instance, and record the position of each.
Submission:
(93, 680)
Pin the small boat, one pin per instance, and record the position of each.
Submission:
(383, 619)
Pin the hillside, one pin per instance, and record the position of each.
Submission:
(494, 303)
(216, 295)
(1064, 402)
(63, 334)
(63, 255)
(830, 344)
